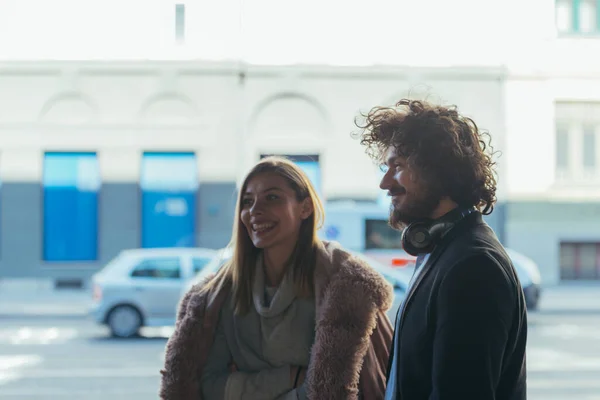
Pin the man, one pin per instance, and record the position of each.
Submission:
(462, 329)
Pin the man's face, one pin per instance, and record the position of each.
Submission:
(412, 199)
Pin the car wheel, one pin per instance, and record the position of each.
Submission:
(124, 321)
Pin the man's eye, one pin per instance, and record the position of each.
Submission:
(247, 202)
(272, 197)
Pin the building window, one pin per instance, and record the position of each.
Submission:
(311, 167)
(578, 16)
(169, 183)
(562, 148)
(577, 142)
(564, 16)
(71, 185)
(588, 12)
(380, 235)
(580, 261)
(589, 147)
(180, 23)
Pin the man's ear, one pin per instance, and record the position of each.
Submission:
(307, 208)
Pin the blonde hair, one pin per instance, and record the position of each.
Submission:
(239, 270)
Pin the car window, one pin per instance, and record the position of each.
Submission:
(159, 268)
(198, 263)
(379, 235)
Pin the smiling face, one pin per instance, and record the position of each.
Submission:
(271, 211)
(412, 199)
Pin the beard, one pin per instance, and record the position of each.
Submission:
(414, 207)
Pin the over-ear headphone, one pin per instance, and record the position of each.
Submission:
(422, 236)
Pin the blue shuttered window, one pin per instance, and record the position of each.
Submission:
(71, 185)
(169, 183)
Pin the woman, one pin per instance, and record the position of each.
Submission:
(289, 316)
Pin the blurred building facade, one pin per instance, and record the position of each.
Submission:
(108, 156)
(553, 142)
(132, 141)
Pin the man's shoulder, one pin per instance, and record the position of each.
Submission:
(477, 240)
(479, 253)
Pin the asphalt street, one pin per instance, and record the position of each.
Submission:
(74, 359)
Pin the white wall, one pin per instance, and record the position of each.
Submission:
(121, 109)
(544, 68)
(531, 141)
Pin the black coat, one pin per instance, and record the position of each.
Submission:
(463, 331)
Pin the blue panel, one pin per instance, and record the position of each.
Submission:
(313, 170)
(169, 184)
(71, 184)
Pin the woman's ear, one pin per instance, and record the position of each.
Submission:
(306, 208)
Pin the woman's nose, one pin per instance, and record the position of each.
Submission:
(256, 208)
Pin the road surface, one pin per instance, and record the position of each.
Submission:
(71, 358)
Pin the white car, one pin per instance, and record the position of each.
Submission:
(141, 287)
(399, 279)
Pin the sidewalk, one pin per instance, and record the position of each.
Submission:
(40, 299)
(576, 298)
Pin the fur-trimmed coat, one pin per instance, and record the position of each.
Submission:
(352, 341)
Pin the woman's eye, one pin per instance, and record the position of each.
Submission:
(272, 197)
(246, 202)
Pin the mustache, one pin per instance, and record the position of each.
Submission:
(396, 191)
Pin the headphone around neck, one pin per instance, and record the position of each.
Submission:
(422, 236)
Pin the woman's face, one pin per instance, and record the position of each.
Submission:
(271, 213)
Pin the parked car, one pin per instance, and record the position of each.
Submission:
(399, 279)
(141, 287)
(529, 276)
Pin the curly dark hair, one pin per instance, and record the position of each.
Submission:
(447, 150)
